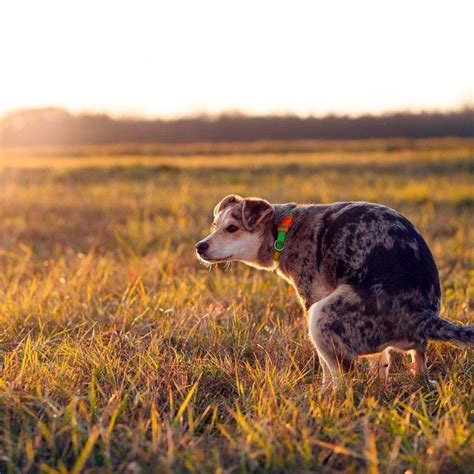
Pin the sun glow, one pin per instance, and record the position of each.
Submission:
(177, 57)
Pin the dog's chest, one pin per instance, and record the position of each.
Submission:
(310, 286)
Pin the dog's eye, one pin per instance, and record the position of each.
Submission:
(232, 228)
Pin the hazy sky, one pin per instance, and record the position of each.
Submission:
(177, 57)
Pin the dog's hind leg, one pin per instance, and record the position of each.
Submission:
(418, 361)
(380, 364)
(418, 364)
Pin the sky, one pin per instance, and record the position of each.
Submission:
(174, 58)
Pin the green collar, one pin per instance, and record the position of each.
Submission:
(282, 230)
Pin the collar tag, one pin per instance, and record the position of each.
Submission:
(282, 230)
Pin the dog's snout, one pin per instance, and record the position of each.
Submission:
(202, 247)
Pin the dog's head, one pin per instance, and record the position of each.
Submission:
(238, 230)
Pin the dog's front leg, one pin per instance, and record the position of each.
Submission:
(324, 331)
(327, 378)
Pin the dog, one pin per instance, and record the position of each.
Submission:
(362, 272)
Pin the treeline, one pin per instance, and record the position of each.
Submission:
(58, 127)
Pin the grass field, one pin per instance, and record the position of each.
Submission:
(119, 352)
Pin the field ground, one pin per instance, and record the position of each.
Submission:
(119, 352)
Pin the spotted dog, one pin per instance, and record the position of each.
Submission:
(362, 271)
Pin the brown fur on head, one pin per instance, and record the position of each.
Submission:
(238, 231)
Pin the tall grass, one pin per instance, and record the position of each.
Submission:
(120, 353)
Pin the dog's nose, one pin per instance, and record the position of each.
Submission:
(202, 247)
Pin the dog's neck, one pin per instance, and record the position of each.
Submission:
(281, 210)
(265, 255)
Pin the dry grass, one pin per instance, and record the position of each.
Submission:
(120, 353)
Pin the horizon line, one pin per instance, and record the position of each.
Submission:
(233, 112)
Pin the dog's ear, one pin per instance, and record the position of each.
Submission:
(225, 202)
(255, 211)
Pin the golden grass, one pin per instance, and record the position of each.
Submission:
(120, 353)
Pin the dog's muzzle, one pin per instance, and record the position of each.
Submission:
(201, 247)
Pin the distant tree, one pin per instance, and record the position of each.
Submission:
(53, 126)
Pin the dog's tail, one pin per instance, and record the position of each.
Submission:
(438, 329)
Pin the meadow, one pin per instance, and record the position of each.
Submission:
(120, 352)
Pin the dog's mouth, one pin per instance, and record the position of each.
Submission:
(214, 260)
